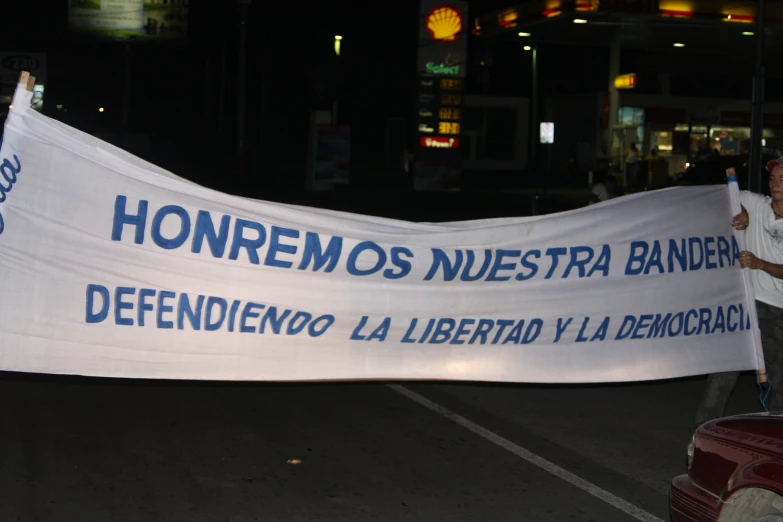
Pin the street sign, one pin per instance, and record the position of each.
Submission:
(547, 132)
(13, 63)
(11, 66)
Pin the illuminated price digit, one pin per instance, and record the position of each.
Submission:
(451, 99)
(450, 85)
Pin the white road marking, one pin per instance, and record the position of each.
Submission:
(587, 487)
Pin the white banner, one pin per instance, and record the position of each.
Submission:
(114, 267)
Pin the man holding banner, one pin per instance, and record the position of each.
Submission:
(762, 216)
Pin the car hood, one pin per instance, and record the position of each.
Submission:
(763, 430)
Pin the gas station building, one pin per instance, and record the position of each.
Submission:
(596, 128)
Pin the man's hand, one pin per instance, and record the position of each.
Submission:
(741, 221)
(749, 260)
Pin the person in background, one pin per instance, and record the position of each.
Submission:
(631, 165)
(762, 216)
(632, 155)
(604, 191)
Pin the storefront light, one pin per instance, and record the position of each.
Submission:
(739, 18)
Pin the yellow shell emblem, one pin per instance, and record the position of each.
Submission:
(444, 23)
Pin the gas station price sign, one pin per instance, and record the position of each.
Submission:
(439, 112)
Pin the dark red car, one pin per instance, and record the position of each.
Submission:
(735, 472)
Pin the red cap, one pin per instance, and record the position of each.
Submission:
(774, 163)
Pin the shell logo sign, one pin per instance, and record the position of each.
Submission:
(444, 23)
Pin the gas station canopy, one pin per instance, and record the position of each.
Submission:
(701, 26)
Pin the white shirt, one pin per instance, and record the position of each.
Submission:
(599, 190)
(764, 237)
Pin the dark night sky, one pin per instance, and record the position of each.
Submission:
(292, 70)
(290, 54)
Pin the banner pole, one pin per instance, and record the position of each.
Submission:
(24, 78)
(750, 295)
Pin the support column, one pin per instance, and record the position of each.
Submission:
(244, 6)
(534, 127)
(126, 92)
(665, 84)
(614, 94)
(755, 168)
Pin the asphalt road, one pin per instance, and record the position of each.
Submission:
(91, 450)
